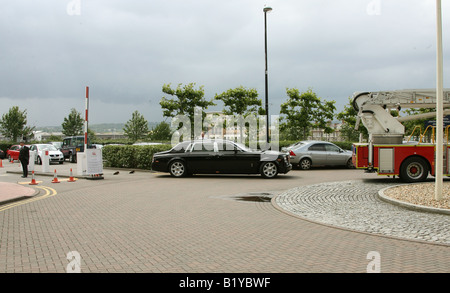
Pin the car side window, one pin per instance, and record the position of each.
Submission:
(203, 147)
(226, 147)
(317, 147)
(332, 148)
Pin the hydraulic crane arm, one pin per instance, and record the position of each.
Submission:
(374, 110)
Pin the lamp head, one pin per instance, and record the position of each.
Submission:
(267, 9)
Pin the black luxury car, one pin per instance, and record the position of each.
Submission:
(219, 157)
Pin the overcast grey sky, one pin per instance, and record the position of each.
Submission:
(125, 50)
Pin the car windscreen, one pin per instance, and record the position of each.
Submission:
(180, 148)
(243, 147)
(48, 147)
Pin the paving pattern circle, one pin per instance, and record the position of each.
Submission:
(354, 205)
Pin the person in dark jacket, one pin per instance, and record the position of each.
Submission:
(24, 158)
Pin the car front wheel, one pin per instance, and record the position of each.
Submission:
(269, 170)
(177, 169)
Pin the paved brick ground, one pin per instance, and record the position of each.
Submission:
(354, 204)
(157, 224)
(11, 191)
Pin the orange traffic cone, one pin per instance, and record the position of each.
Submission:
(71, 179)
(1, 163)
(33, 182)
(55, 178)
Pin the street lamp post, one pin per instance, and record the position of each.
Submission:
(266, 10)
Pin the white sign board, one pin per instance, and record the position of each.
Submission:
(94, 161)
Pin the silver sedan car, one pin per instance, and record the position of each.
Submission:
(307, 154)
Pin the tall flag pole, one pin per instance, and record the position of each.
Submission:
(439, 108)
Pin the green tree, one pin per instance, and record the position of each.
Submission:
(73, 124)
(302, 112)
(242, 102)
(137, 127)
(161, 132)
(186, 99)
(91, 135)
(13, 124)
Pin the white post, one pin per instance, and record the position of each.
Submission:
(45, 160)
(439, 108)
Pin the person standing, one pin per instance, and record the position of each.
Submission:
(24, 157)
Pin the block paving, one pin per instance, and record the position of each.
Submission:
(152, 223)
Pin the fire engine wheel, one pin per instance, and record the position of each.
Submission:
(414, 170)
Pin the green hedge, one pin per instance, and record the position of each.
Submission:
(140, 156)
(131, 156)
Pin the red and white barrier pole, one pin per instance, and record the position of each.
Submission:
(86, 120)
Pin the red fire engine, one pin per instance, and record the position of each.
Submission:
(387, 151)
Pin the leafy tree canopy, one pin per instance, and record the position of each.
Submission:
(137, 127)
(13, 124)
(304, 111)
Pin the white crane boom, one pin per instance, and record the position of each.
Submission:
(374, 111)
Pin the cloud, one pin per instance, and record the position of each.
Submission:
(126, 50)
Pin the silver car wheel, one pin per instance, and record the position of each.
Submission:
(305, 164)
(269, 170)
(177, 169)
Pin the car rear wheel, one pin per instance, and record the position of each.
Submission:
(177, 169)
(350, 164)
(305, 164)
(269, 170)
